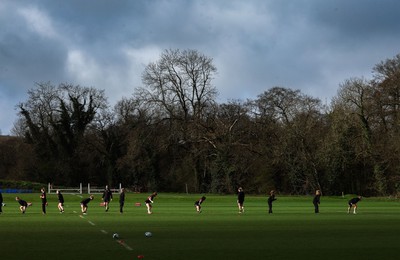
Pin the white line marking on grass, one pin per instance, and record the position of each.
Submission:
(121, 242)
(79, 196)
(74, 211)
(128, 247)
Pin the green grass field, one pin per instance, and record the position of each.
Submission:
(219, 232)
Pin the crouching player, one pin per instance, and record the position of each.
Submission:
(149, 201)
(84, 204)
(23, 204)
(353, 204)
(197, 204)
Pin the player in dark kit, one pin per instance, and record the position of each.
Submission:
(149, 201)
(107, 197)
(316, 200)
(44, 200)
(270, 200)
(121, 200)
(1, 203)
(84, 204)
(23, 204)
(353, 203)
(240, 200)
(197, 204)
(60, 201)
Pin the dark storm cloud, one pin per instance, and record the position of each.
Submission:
(310, 45)
(361, 19)
(315, 45)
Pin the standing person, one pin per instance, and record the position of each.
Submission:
(84, 204)
(353, 203)
(107, 197)
(149, 201)
(271, 199)
(44, 200)
(1, 203)
(121, 200)
(240, 200)
(23, 204)
(60, 201)
(197, 204)
(316, 200)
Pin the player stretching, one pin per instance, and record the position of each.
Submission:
(149, 201)
(197, 204)
(240, 200)
(84, 204)
(353, 203)
(23, 204)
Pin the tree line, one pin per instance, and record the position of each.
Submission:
(172, 135)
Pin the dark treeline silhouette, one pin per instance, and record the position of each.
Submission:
(172, 135)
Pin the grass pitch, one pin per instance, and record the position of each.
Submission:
(293, 231)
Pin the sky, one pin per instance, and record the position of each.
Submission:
(309, 45)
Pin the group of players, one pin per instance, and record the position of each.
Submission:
(23, 205)
(352, 204)
(108, 196)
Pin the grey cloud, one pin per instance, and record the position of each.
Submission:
(311, 45)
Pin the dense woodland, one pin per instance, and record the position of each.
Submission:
(172, 133)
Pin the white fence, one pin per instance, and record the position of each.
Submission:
(52, 189)
(98, 190)
(81, 189)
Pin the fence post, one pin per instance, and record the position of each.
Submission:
(120, 187)
(88, 188)
(49, 188)
(80, 188)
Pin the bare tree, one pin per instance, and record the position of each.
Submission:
(180, 83)
(178, 88)
(296, 118)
